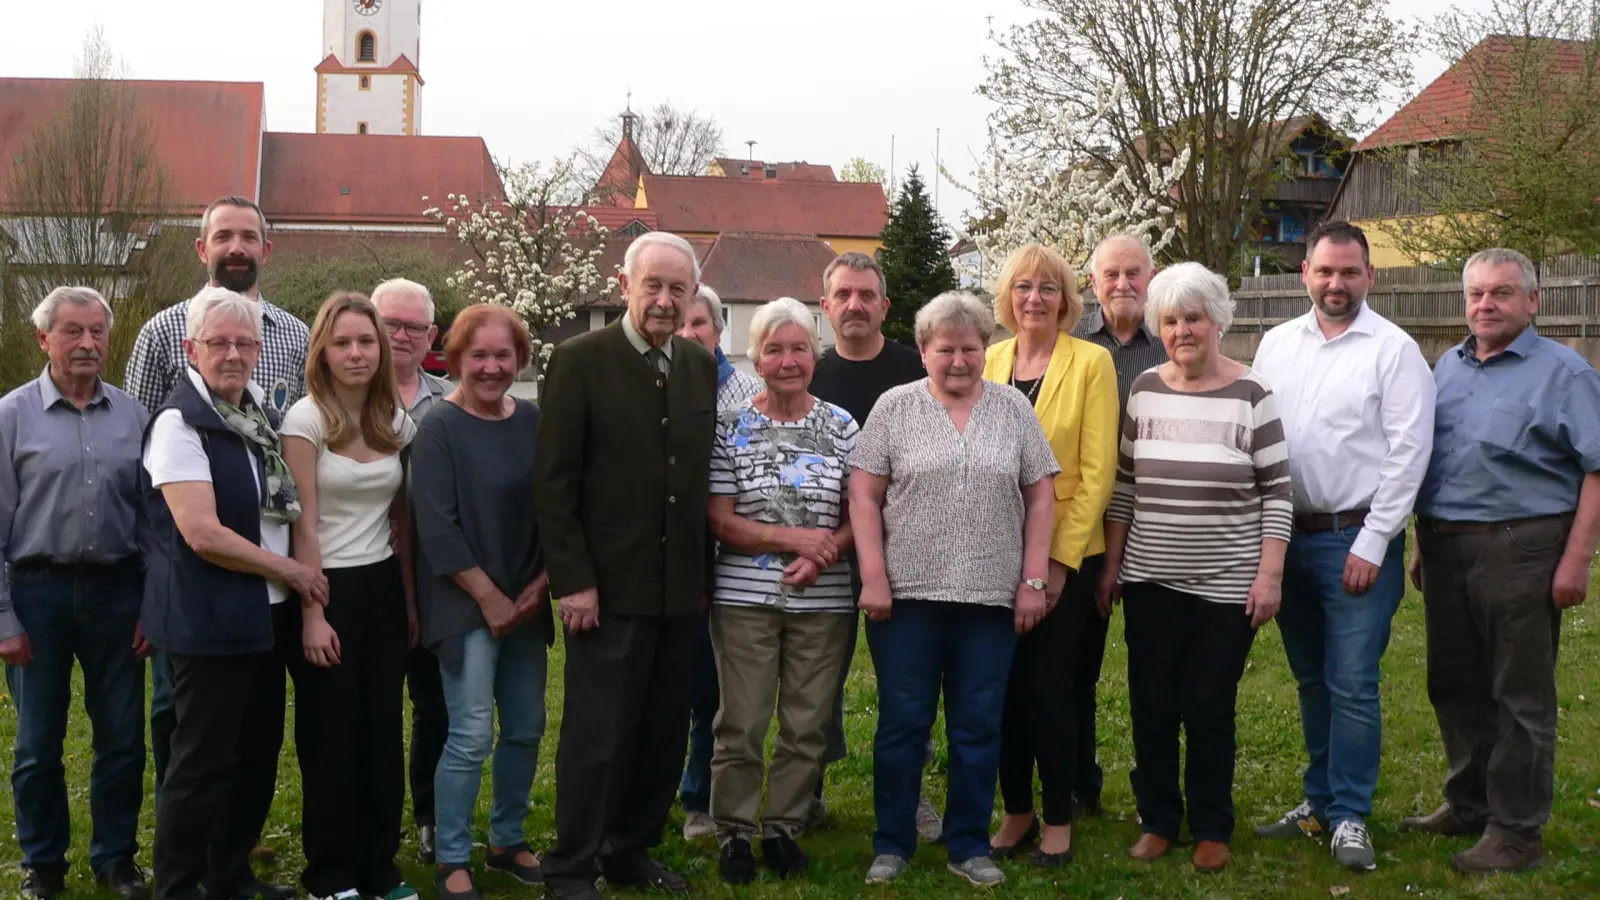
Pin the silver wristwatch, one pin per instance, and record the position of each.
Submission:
(1035, 583)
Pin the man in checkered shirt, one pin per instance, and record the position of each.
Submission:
(233, 246)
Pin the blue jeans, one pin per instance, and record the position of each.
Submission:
(508, 675)
(965, 649)
(694, 791)
(1335, 642)
(88, 614)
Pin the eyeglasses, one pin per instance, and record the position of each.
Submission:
(245, 346)
(410, 328)
(1047, 291)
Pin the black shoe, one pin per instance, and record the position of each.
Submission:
(642, 871)
(582, 890)
(442, 873)
(506, 861)
(737, 865)
(425, 843)
(784, 856)
(44, 882)
(256, 888)
(1089, 805)
(125, 879)
(1027, 840)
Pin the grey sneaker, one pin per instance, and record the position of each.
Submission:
(697, 825)
(1296, 822)
(886, 867)
(979, 871)
(930, 825)
(1352, 848)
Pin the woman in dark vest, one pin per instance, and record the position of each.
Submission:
(220, 502)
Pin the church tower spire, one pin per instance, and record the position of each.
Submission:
(368, 81)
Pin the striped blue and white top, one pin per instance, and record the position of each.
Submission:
(789, 474)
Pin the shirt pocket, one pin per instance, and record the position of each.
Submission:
(1505, 424)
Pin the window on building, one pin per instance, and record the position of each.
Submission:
(632, 229)
(361, 128)
(366, 82)
(367, 47)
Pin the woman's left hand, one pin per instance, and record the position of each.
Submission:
(532, 596)
(1266, 595)
(413, 626)
(1030, 608)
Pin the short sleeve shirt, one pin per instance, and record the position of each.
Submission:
(953, 512)
(353, 498)
(789, 474)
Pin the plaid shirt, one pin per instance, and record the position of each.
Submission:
(1130, 359)
(158, 357)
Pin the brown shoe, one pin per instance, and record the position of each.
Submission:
(1495, 853)
(263, 853)
(1150, 847)
(1211, 856)
(1446, 820)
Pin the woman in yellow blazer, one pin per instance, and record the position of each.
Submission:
(1073, 387)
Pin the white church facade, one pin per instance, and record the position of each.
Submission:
(368, 81)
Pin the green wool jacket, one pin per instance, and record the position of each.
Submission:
(623, 474)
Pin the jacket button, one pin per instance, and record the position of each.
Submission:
(671, 461)
(661, 382)
(663, 420)
(663, 539)
(672, 498)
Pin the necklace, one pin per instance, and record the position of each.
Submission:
(1032, 393)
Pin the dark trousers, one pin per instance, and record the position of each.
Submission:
(224, 767)
(923, 648)
(1090, 780)
(1493, 633)
(430, 726)
(1185, 658)
(87, 613)
(162, 716)
(1041, 713)
(348, 729)
(624, 725)
(694, 793)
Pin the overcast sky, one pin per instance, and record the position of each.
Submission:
(818, 80)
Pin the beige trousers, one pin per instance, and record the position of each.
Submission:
(767, 659)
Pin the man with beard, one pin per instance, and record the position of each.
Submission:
(853, 374)
(1357, 402)
(232, 246)
(71, 589)
(622, 485)
(1120, 270)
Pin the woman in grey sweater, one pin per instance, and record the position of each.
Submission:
(481, 592)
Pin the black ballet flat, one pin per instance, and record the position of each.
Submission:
(1052, 860)
(1028, 838)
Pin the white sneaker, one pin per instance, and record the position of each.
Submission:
(980, 871)
(1352, 847)
(886, 867)
(698, 825)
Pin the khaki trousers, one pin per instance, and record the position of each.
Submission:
(766, 659)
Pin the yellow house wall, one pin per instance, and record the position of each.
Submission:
(869, 246)
(1381, 241)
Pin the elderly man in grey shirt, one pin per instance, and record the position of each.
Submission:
(69, 513)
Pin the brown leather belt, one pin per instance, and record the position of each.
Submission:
(1314, 522)
(1440, 526)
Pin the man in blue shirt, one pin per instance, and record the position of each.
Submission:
(1507, 521)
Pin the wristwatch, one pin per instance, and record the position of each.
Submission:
(1035, 583)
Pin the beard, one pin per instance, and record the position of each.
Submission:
(239, 279)
(1351, 307)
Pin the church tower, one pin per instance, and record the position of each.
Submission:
(368, 82)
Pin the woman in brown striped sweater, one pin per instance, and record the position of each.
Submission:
(1195, 537)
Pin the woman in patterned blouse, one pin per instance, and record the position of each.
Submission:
(952, 499)
(1195, 536)
(782, 611)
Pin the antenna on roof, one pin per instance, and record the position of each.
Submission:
(750, 156)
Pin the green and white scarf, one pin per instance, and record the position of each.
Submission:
(280, 501)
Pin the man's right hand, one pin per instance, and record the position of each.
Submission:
(500, 614)
(307, 582)
(581, 611)
(1416, 567)
(815, 544)
(17, 651)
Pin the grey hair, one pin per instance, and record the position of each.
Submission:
(659, 239)
(855, 261)
(215, 302)
(1121, 238)
(780, 312)
(953, 310)
(1189, 286)
(1499, 256)
(44, 315)
(402, 287)
(713, 306)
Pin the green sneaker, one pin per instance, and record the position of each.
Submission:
(1296, 822)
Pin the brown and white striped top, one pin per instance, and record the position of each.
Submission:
(1203, 478)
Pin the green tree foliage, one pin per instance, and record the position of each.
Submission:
(300, 283)
(915, 257)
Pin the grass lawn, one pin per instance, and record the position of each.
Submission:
(1270, 757)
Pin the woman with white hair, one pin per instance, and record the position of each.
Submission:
(220, 502)
(953, 501)
(782, 609)
(1199, 521)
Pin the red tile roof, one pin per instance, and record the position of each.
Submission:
(789, 171)
(207, 134)
(1443, 109)
(370, 178)
(618, 184)
(616, 218)
(748, 267)
(330, 65)
(713, 205)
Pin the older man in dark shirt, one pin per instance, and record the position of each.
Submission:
(1507, 521)
(69, 501)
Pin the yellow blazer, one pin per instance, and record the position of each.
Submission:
(1077, 406)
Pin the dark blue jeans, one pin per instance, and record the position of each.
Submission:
(1335, 642)
(694, 791)
(965, 649)
(88, 614)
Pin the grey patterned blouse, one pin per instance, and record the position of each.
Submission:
(953, 513)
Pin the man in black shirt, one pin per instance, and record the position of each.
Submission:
(853, 374)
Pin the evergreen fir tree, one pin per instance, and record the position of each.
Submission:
(915, 258)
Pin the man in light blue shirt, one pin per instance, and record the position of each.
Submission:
(1507, 521)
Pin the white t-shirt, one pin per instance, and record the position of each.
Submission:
(176, 454)
(353, 498)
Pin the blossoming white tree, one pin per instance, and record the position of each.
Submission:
(537, 251)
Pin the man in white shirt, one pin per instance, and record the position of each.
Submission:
(1357, 401)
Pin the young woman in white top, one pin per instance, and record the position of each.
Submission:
(345, 444)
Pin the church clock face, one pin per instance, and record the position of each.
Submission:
(367, 7)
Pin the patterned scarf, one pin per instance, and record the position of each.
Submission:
(281, 501)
